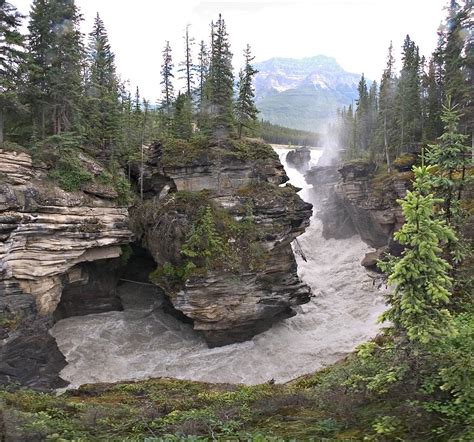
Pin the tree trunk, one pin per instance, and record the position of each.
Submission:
(2, 125)
(386, 141)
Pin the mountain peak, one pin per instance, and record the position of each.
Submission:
(303, 93)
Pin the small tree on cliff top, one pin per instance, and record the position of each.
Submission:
(420, 276)
(246, 111)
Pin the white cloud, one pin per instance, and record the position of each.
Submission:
(356, 32)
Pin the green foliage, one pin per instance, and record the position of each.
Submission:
(249, 149)
(183, 115)
(451, 156)
(219, 88)
(420, 276)
(179, 152)
(166, 78)
(203, 242)
(70, 173)
(275, 134)
(246, 111)
(102, 118)
(55, 66)
(452, 360)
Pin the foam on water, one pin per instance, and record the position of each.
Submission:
(144, 342)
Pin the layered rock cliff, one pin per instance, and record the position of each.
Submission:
(251, 282)
(47, 237)
(59, 250)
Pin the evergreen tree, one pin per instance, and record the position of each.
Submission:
(420, 276)
(372, 112)
(458, 61)
(407, 100)
(202, 69)
(65, 77)
(362, 116)
(220, 84)
(102, 91)
(187, 64)
(166, 76)
(246, 111)
(434, 97)
(40, 43)
(451, 157)
(55, 65)
(386, 117)
(11, 58)
(182, 122)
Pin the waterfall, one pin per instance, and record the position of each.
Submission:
(142, 341)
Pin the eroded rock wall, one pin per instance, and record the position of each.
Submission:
(230, 305)
(356, 198)
(45, 235)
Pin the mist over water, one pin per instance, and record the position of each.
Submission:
(143, 341)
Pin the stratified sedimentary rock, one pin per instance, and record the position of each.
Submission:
(47, 236)
(228, 305)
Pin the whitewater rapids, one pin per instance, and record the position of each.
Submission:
(143, 342)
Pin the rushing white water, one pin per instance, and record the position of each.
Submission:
(143, 341)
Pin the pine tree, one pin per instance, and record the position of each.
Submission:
(246, 111)
(187, 65)
(102, 91)
(11, 58)
(220, 84)
(420, 276)
(166, 76)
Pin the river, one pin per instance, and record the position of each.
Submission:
(142, 341)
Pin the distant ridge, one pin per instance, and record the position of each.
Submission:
(303, 93)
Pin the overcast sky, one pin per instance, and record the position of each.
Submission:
(355, 32)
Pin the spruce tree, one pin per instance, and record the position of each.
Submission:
(458, 61)
(102, 92)
(407, 100)
(434, 98)
(386, 116)
(11, 58)
(201, 69)
(420, 277)
(362, 116)
(451, 157)
(246, 111)
(220, 84)
(66, 66)
(166, 77)
(40, 44)
(183, 117)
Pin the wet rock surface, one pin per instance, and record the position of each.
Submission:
(360, 199)
(299, 158)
